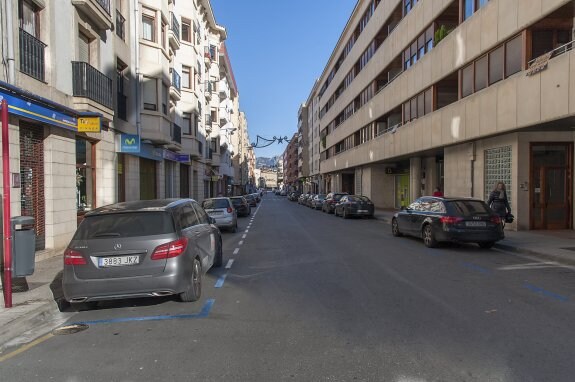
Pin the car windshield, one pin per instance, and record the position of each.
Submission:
(321, 196)
(338, 196)
(128, 224)
(468, 207)
(359, 198)
(210, 204)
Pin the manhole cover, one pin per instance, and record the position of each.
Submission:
(69, 329)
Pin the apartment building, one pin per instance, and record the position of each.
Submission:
(111, 100)
(303, 148)
(456, 94)
(290, 165)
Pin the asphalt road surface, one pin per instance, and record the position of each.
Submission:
(306, 296)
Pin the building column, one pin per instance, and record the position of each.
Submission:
(415, 178)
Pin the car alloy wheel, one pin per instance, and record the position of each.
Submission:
(194, 290)
(395, 228)
(428, 238)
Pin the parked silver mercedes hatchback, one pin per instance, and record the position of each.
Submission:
(141, 249)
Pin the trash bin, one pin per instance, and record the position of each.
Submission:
(23, 246)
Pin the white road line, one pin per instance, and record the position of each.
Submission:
(241, 242)
(236, 251)
(244, 236)
(229, 264)
(247, 230)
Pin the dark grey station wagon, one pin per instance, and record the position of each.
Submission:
(141, 249)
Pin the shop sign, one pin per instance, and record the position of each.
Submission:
(89, 124)
(35, 111)
(184, 158)
(539, 64)
(215, 178)
(129, 143)
(169, 155)
(396, 171)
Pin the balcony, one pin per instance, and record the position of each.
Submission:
(31, 56)
(224, 89)
(97, 10)
(190, 145)
(176, 86)
(208, 122)
(208, 90)
(88, 82)
(174, 33)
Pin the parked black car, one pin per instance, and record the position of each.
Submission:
(241, 205)
(437, 220)
(331, 200)
(354, 205)
(294, 196)
(317, 201)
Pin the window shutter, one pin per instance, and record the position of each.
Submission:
(83, 48)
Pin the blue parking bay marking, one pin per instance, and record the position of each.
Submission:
(203, 314)
(546, 293)
(476, 268)
(220, 282)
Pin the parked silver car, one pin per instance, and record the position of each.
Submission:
(141, 249)
(223, 211)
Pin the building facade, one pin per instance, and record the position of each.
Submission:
(303, 148)
(113, 100)
(290, 166)
(424, 94)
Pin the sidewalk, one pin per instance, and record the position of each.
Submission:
(36, 312)
(558, 246)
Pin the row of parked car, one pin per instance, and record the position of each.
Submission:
(149, 248)
(434, 219)
(337, 203)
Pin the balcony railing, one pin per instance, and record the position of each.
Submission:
(175, 26)
(177, 133)
(176, 80)
(90, 83)
(31, 55)
(120, 25)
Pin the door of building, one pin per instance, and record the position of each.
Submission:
(148, 189)
(402, 191)
(32, 179)
(551, 187)
(184, 181)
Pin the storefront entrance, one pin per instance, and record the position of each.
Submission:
(402, 191)
(551, 186)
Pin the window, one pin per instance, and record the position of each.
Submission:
(513, 56)
(186, 31)
(481, 76)
(428, 101)
(148, 28)
(164, 32)
(467, 81)
(150, 93)
(85, 175)
(186, 77)
(213, 52)
(188, 217)
(83, 48)
(29, 18)
(496, 65)
(472, 6)
(187, 130)
(164, 99)
(197, 35)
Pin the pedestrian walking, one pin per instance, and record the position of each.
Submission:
(498, 201)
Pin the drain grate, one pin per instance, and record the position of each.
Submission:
(69, 329)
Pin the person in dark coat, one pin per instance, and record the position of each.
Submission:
(498, 201)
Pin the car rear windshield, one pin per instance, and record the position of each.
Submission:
(215, 203)
(338, 196)
(127, 224)
(237, 201)
(358, 198)
(468, 207)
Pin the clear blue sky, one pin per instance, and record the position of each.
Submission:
(278, 49)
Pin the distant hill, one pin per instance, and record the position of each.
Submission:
(266, 162)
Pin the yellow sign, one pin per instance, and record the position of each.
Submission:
(89, 124)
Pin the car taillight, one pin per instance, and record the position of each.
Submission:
(230, 210)
(450, 219)
(496, 219)
(169, 250)
(72, 257)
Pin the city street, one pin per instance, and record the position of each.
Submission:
(306, 296)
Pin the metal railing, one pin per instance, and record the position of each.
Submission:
(32, 60)
(120, 25)
(89, 82)
(177, 133)
(104, 4)
(176, 80)
(557, 51)
(175, 26)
